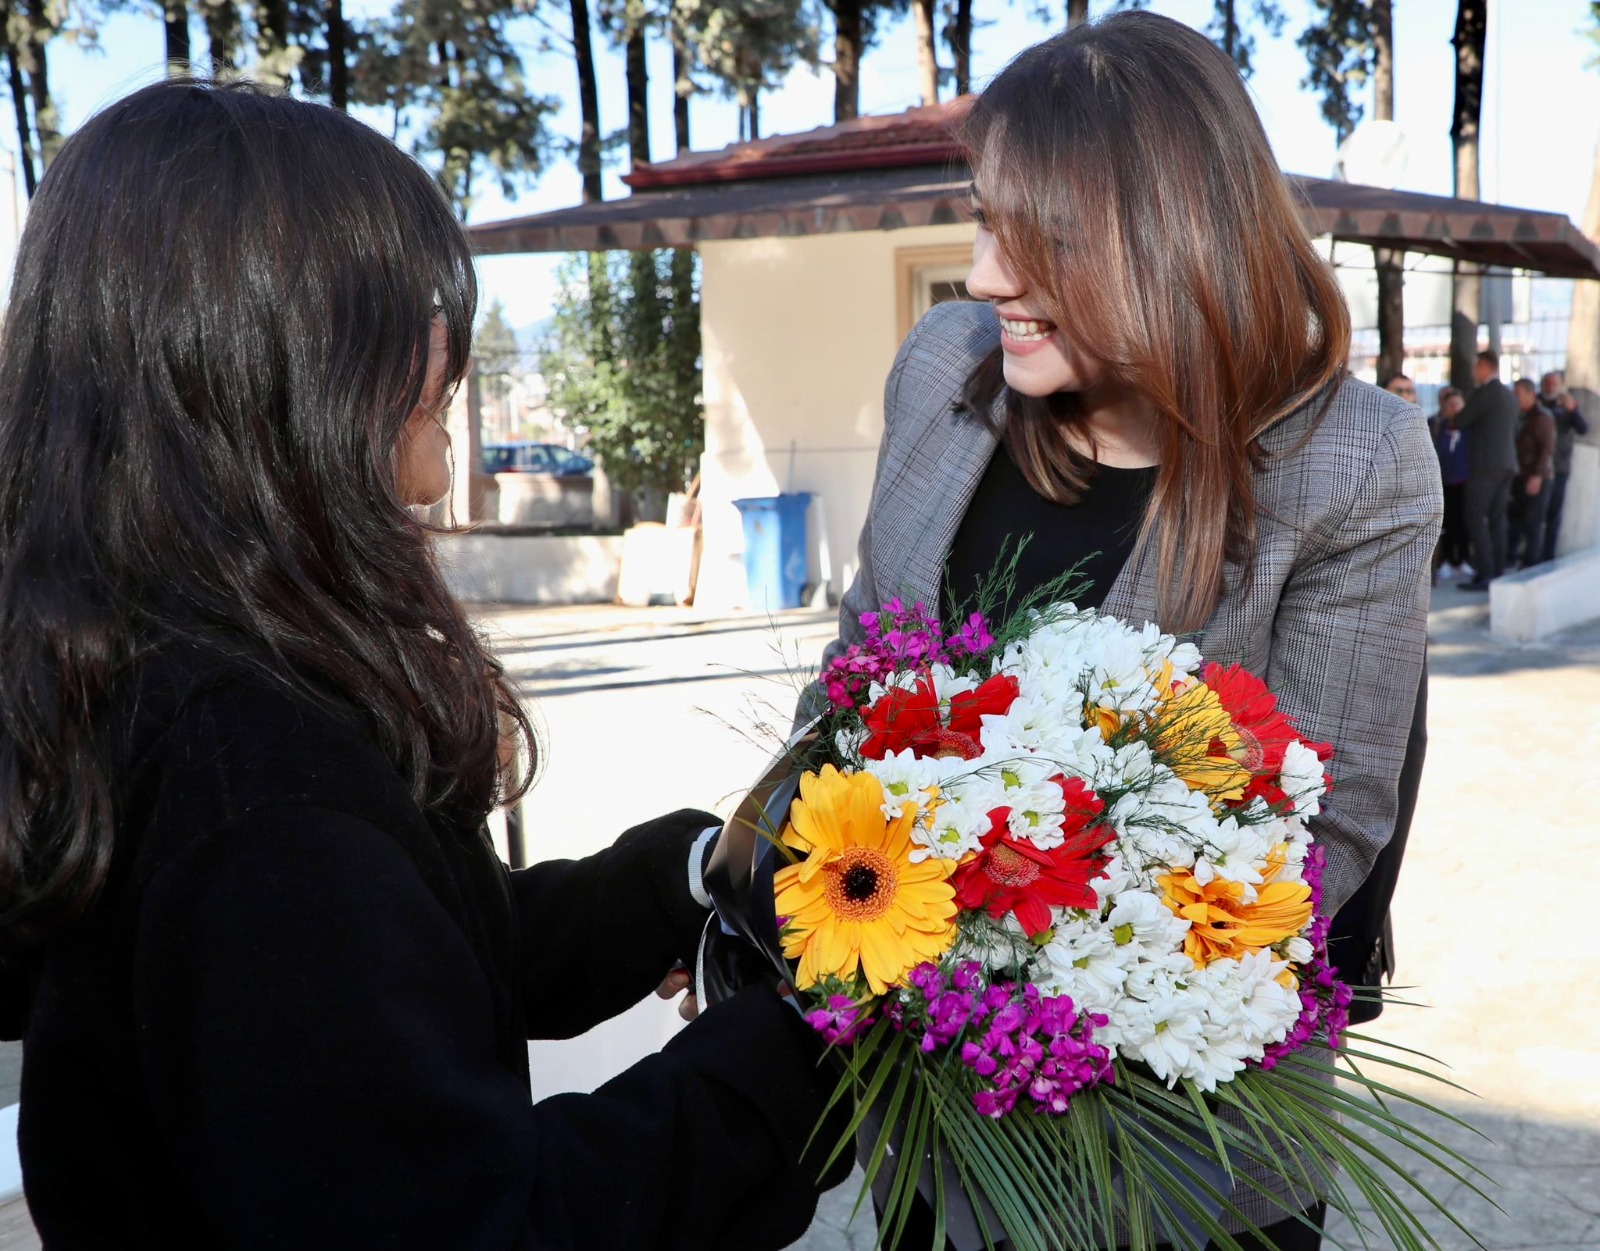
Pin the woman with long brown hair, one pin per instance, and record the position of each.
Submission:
(274, 986)
(1153, 389)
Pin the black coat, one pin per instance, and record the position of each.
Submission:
(297, 1018)
(1491, 414)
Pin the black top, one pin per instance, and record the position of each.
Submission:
(298, 1017)
(1099, 530)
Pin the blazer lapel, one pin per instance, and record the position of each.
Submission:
(930, 530)
(1133, 595)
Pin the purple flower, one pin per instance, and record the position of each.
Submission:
(842, 1021)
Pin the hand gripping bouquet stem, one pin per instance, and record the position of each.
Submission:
(1049, 890)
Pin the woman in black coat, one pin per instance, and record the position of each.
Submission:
(274, 986)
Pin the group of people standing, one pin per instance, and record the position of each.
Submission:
(1505, 454)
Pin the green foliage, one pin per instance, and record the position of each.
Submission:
(1049, 1180)
(622, 366)
(494, 346)
(1228, 27)
(451, 74)
(1339, 52)
(747, 46)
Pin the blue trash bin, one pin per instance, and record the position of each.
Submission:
(775, 548)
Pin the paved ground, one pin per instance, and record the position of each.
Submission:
(1489, 914)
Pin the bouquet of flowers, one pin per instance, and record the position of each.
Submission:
(1048, 889)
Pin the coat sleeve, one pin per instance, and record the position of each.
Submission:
(570, 906)
(1473, 411)
(1348, 643)
(862, 595)
(1544, 432)
(318, 1044)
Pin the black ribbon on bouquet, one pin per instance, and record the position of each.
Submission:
(741, 947)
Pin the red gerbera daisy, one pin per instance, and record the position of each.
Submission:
(1012, 875)
(1265, 729)
(904, 718)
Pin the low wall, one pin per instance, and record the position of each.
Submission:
(542, 499)
(1527, 606)
(485, 567)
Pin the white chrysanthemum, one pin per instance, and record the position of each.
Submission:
(1114, 879)
(1246, 1002)
(1052, 657)
(1185, 659)
(1234, 853)
(1302, 779)
(1119, 676)
(953, 825)
(1166, 1030)
(1053, 731)
(1141, 920)
(1296, 950)
(1159, 821)
(847, 742)
(947, 684)
(907, 781)
(1038, 812)
(1083, 961)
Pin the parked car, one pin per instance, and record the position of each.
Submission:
(529, 457)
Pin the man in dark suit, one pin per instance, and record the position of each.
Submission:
(1492, 415)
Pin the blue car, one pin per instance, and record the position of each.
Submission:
(528, 457)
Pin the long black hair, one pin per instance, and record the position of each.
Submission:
(217, 331)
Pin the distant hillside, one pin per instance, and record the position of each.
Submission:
(529, 337)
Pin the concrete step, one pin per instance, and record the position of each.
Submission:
(1541, 601)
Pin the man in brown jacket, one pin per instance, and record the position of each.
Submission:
(1536, 445)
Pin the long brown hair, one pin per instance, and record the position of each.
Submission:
(217, 332)
(1129, 184)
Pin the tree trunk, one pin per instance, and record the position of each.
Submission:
(1230, 30)
(959, 34)
(42, 29)
(272, 27)
(1390, 262)
(1382, 20)
(338, 66)
(222, 33)
(1471, 33)
(1583, 335)
(175, 14)
(588, 103)
(638, 78)
(927, 60)
(753, 114)
(19, 103)
(682, 88)
(847, 38)
(1077, 13)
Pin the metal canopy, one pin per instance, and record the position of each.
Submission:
(894, 198)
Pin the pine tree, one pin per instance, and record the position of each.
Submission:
(452, 71)
(747, 47)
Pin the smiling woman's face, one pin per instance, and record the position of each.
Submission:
(423, 457)
(1038, 359)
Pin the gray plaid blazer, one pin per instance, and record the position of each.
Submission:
(1333, 613)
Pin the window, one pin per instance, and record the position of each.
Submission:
(928, 276)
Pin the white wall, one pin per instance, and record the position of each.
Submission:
(799, 334)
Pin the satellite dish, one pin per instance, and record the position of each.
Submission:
(1374, 154)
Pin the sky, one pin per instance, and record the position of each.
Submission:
(1541, 109)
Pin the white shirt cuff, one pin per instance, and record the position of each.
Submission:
(697, 861)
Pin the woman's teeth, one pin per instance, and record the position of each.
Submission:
(1026, 331)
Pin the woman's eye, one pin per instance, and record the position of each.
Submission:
(979, 216)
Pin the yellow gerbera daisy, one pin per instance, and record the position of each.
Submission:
(1198, 741)
(857, 902)
(1222, 925)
